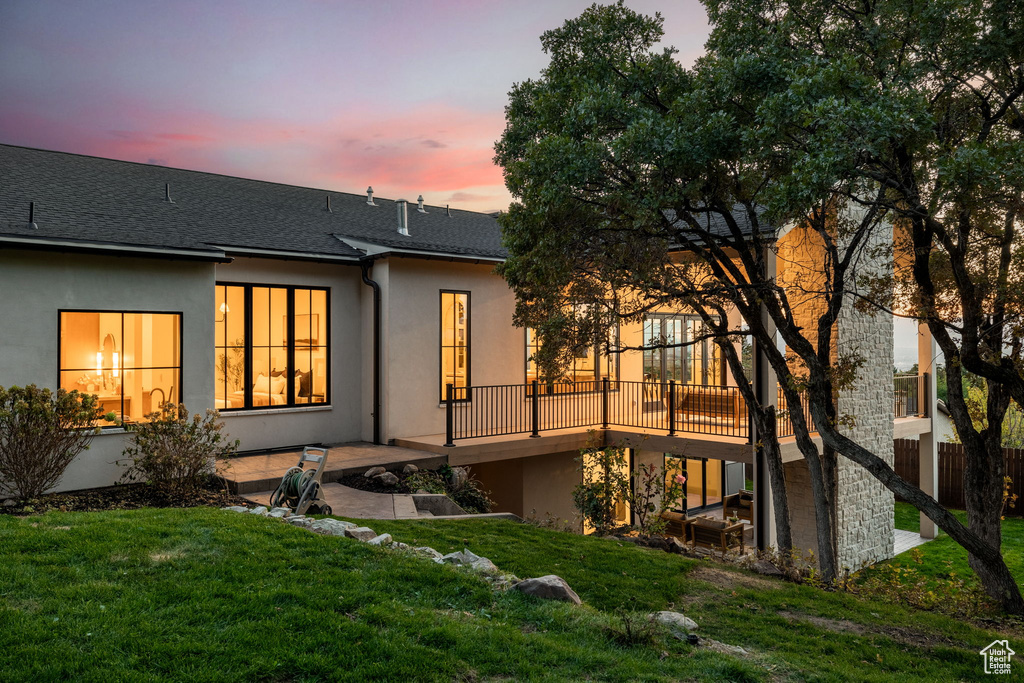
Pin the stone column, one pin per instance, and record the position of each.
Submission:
(928, 444)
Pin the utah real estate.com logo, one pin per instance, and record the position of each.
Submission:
(997, 657)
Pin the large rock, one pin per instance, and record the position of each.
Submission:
(549, 587)
(279, 512)
(373, 472)
(260, 510)
(303, 522)
(361, 533)
(410, 469)
(429, 552)
(465, 558)
(383, 539)
(233, 508)
(679, 624)
(331, 527)
(458, 477)
(387, 478)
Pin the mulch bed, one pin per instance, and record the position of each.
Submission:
(123, 497)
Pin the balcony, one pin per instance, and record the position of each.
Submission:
(660, 407)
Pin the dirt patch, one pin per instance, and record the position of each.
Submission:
(124, 497)
(901, 634)
(724, 578)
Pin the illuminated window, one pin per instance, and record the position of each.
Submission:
(698, 363)
(271, 347)
(590, 365)
(455, 344)
(131, 361)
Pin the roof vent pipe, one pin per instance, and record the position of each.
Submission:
(32, 216)
(369, 196)
(329, 204)
(447, 210)
(167, 193)
(420, 207)
(403, 216)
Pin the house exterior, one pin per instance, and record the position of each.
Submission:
(309, 316)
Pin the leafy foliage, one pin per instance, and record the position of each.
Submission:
(176, 453)
(41, 432)
(608, 484)
(467, 493)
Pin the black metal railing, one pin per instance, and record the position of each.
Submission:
(909, 392)
(532, 408)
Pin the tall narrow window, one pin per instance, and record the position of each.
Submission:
(271, 346)
(455, 343)
(131, 361)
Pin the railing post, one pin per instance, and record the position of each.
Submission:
(604, 402)
(923, 409)
(535, 409)
(449, 416)
(671, 407)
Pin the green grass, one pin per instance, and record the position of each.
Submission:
(202, 594)
(937, 553)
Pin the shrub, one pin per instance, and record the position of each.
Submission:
(467, 493)
(41, 432)
(174, 453)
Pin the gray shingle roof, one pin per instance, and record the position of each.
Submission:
(82, 198)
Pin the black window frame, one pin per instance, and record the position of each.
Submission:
(613, 365)
(121, 368)
(708, 345)
(290, 391)
(461, 394)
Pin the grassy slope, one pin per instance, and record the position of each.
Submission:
(209, 595)
(936, 553)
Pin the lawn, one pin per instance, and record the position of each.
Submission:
(936, 553)
(204, 594)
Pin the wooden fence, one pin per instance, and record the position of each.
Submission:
(951, 472)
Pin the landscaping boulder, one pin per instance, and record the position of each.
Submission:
(549, 587)
(716, 646)
(458, 477)
(331, 527)
(361, 533)
(236, 508)
(398, 545)
(303, 522)
(677, 623)
(410, 469)
(387, 478)
(260, 510)
(429, 552)
(383, 539)
(373, 472)
(674, 545)
(279, 512)
(467, 559)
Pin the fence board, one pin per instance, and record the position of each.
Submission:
(952, 462)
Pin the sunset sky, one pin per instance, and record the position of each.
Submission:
(405, 96)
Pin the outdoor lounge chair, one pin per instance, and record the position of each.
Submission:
(716, 534)
(740, 504)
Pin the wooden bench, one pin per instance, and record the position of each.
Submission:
(719, 403)
(676, 524)
(740, 505)
(717, 534)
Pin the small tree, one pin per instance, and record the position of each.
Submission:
(41, 432)
(608, 483)
(175, 453)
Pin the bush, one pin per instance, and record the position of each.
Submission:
(174, 453)
(41, 432)
(466, 493)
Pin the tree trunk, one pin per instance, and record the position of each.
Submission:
(767, 433)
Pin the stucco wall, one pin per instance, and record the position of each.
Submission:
(343, 419)
(36, 285)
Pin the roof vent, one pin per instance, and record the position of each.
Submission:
(420, 207)
(447, 210)
(403, 216)
(329, 204)
(167, 193)
(369, 196)
(32, 216)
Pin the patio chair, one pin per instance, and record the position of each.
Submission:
(716, 534)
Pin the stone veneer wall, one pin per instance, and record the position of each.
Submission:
(864, 505)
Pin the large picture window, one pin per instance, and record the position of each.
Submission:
(590, 365)
(131, 361)
(272, 346)
(455, 344)
(700, 362)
